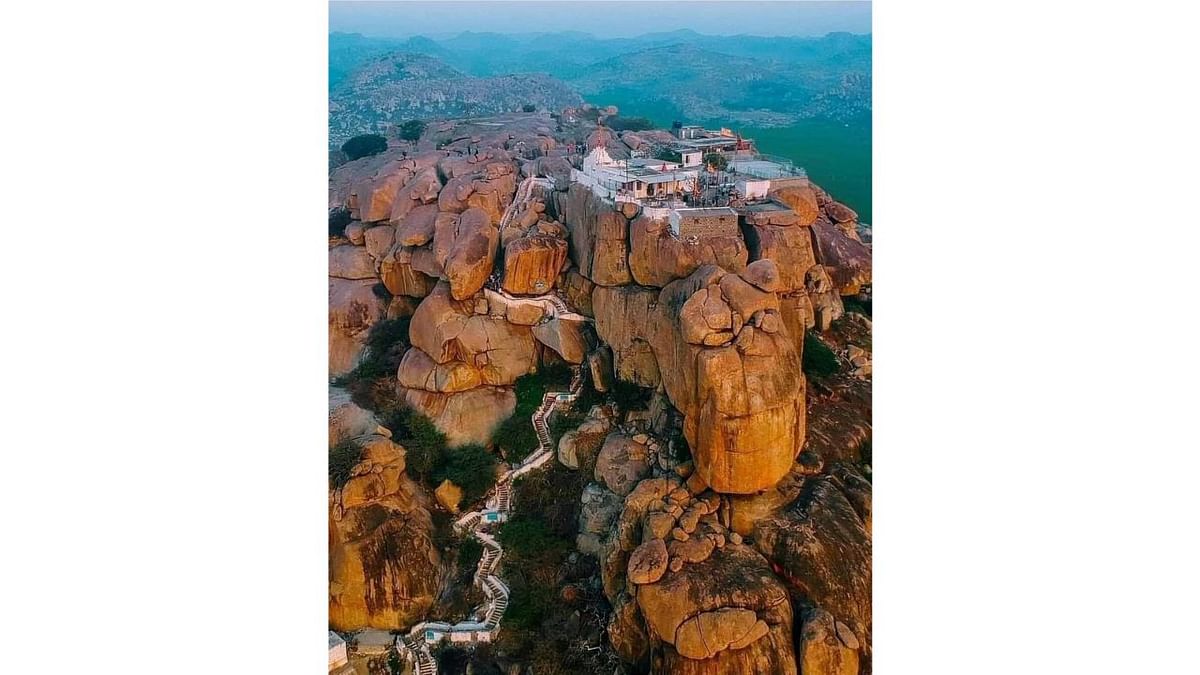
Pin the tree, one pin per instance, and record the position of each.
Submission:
(620, 123)
(412, 130)
(716, 160)
(364, 146)
(528, 107)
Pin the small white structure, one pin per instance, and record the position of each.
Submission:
(691, 157)
(337, 651)
(753, 188)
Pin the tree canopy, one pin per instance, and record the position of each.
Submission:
(364, 146)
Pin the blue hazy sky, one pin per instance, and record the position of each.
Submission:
(604, 19)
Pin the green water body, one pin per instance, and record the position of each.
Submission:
(836, 155)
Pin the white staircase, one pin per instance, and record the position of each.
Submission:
(415, 645)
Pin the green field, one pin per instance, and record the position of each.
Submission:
(836, 155)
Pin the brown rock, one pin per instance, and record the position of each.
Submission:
(821, 651)
(351, 262)
(621, 463)
(802, 201)
(379, 240)
(417, 226)
(764, 274)
(564, 336)
(465, 417)
(648, 562)
(657, 258)
(383, 566)
(848, 259)
(840, 213)
(532, 264)
(353, 309)
(599, 236)
(449, 496)
(471, 257)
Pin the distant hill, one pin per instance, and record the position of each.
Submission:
(743, 79)
(399, 86)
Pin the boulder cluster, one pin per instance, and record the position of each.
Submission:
(384, 570)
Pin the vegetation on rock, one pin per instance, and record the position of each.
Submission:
(412, 130)
(819, 360)
(343, 457)
(364, 145)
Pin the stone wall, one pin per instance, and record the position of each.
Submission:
(707, 226)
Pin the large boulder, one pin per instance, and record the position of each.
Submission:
(532, 264)
(351, 262)
(470, 259)
(466, 417)
(449, 330)
(384, 568)
(599, 236)
(656, 257)
(802, 200)
(725, 614)
(820, 543)
(790, 248)
(623, 318)
(847, 259)
(353, 308)
(564, 336)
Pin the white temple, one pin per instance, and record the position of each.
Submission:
(639, 178)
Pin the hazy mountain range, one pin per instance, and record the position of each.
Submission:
(741, 79)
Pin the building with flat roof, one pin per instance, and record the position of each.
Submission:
(634, 178)
(337, 652)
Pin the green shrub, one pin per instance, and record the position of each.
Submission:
(343, 457)
(621, 123)
(412, 130)
(527, 535)
(527, 610)
(364, 146)
(857, 306)
(515, 435)
(469, 554)
(470, 467)
(339, 218)
(716, 160)
(819, 360)
(528, 107)
(385, 346)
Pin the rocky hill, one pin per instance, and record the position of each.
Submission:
(743, 79)
(395, 87)
(710, 507)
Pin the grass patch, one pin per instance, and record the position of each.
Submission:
(515, 435)
(386, 343)
(469, 554)
(857, 306)
(819, 360)
(470, 467)
(343, 457)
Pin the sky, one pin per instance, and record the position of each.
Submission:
(603, 19)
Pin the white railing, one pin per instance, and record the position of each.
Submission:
(415, 645)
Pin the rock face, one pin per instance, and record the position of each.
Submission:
(710, 605)
(532, 264)
(657, 258)
(718, 345)
(599, 237)
(848, 258)
(353, 308)
(462, 365)
(823, 547)
(383, 566)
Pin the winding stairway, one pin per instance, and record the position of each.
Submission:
(415, 646)
(483, 627)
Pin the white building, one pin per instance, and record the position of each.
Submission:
(337, 651)
(636, 179)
